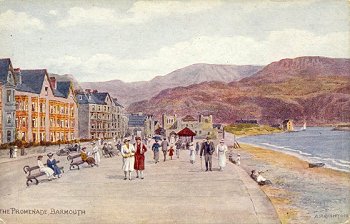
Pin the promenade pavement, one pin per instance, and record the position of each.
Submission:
(174, 191)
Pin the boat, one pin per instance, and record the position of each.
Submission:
(304, 127)
(313, 165)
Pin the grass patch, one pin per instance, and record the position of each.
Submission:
(251, 129)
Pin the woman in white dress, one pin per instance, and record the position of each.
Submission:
(96, 153)
(221, 150)
(47, 170)
(128, 152)
(192, 153)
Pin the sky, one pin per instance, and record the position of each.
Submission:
(97, 40)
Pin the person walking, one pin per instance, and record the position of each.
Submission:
(171, 152)
(197, 148)
(165, 145)
(178, 145)
(96, 153)
(139, 165)
(221, 150)
(155, 149)
(11, 152)
(192, 153)
(52, 163)
(207, 150)
(128, 152)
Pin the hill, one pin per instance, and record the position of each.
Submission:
(136, 91)
(314, 89)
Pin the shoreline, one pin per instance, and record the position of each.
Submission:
(299, 156)
(299, 194)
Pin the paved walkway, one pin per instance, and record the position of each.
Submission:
(172, 192)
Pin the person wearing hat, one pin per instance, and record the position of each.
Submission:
(207, 150)
(221, 150)
(192, 152)
(155, 149)
(85, 158)
(52, 163)
(128, 152)
(96, 153)
(47, 170)
(139, 165)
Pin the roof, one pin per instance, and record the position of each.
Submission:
(63, 89)
(32, 81)
(117, 103)
(188, 118)
(4, 67)
(136, 120)
(217, 126)
(92, 98)
(186, 132)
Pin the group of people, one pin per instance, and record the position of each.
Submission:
(133, 155)
(52, 171)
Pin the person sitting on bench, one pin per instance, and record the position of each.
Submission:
(47, 170)
(85, 158)
(52, 163)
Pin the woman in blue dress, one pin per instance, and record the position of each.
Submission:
(52, 163)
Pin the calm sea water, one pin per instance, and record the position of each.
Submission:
(315, 144)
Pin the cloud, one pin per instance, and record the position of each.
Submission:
(93, 15)
(53, 12)
(140, 12)
(19, 21)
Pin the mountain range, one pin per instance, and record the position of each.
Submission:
(131, 92)
(311, 89)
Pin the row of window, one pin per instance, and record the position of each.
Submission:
(41, 107)
(22, 122)
(105, 126)
(37, 137)
(105, 108)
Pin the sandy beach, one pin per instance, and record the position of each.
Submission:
(298, 193)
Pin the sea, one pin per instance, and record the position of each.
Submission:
(315, 144)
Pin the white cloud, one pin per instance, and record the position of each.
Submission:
(94, 15)
(53, 12)
(140, 12)
(19, 21)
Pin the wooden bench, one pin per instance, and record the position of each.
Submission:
(75, 161)
(34, 172)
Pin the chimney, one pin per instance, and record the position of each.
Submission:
(95, 91)
(53, 82)
(18, 76)
(88, 91)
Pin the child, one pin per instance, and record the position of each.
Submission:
(192, 153)
(171, 152)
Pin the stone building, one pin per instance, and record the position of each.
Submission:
(202, 127)
(140, 124)
(8, 104)
(46, 110)
(100, 116)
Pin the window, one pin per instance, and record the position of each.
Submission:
(9, 136)
(46, 91)
(8, 96)
(9, 118)
(80, 97)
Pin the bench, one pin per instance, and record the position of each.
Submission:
(34, 172)
(76, 161)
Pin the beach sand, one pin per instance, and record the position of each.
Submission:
(300, 194)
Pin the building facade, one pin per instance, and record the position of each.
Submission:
(46, 110)
(100, 116)
(8, 104)
(140, 124)
(203, 126)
